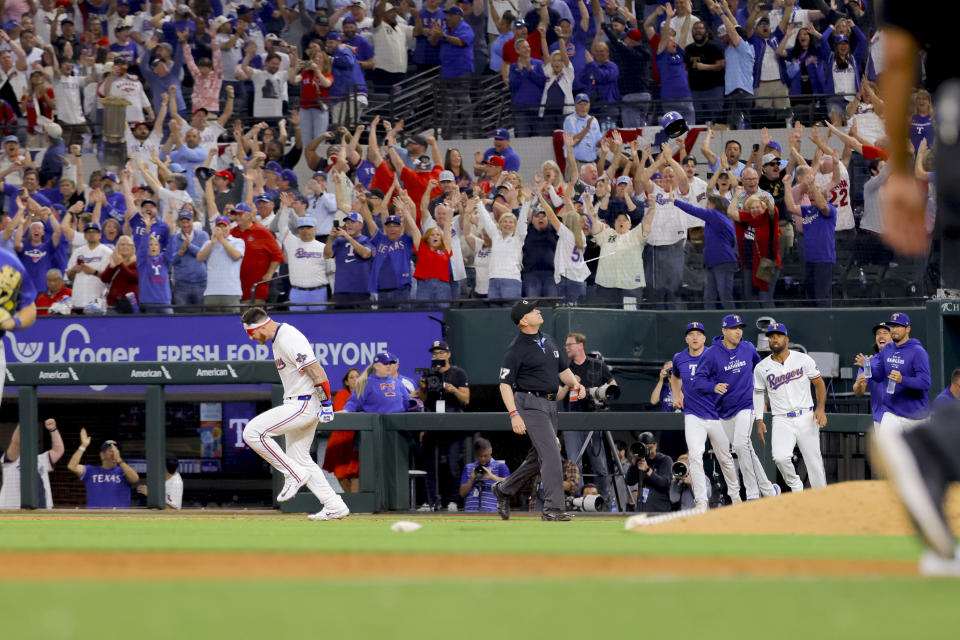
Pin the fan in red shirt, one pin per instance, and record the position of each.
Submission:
(38, 95)
(533, 39)
(433, 262)
(492, 169)
(55, 292)
(262, 255)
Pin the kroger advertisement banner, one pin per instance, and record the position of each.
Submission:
(339, 341)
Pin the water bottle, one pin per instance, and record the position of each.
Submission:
(574, 396)
(741, 122)
(891, 386)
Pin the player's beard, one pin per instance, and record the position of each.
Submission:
(777, 350)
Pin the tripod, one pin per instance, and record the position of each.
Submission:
(616, 476)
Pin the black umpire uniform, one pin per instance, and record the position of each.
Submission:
(531, 367)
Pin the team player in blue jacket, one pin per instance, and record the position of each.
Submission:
(881, 336)
(700, 418)
(903, 366)
(726, 369)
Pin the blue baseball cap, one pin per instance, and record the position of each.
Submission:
(348, 20)
(777, 327)
(175, 167)
(263, 198)
(695, 326)
(501, 134)
(455, 10)
(242, 206)
(901, 319)
(880, 325)
(393, 220)
(773, 144)
(333, 35)
(242, 9)
(110, 176)
(731, 321)
(289, 176)
(222, 220)
(306, 221)
(274, 166)
(353, 215)
(656, 175)
(581, 97)
(841, 38)
(385, 357)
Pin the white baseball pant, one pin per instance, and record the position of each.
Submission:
(697, 430)
(296, 420)
(901, 424)
(738, 429)
(804, 432)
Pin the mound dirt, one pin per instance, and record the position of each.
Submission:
(868, 507)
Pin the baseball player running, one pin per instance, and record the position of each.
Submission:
(306, 398)
(700, 419)
(726, 369)
(786, 376)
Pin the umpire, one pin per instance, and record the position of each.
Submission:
(528, 385)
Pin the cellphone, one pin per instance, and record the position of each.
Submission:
(469, 192)
(756, 147)
(336, 224)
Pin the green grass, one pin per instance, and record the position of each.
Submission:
(585, 536)
(398, 610)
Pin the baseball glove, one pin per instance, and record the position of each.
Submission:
(10, 281)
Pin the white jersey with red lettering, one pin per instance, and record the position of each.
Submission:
(787, 383)
(839, 197)
(293, 353)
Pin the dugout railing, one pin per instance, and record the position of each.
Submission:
(383, 445)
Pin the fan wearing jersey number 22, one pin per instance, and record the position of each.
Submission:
(306, 400)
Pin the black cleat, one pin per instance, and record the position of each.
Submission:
(503, 502)
(555, 515)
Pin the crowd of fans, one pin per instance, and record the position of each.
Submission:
(209, 211)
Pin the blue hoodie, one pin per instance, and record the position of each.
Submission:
(732, 366)
(380, 395)
(720, 237)
(911, 397)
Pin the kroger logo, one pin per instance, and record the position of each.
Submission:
(73, 346)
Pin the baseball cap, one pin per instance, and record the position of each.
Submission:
(695, 326)
(763, 19)
(519, 24)
(146, 200)
(321, 20)
(273, 36)
(11, 138)
(635, 34)
(722, 30)
(732, 321)
(54, 130)
(417, 139)
(244, 9)
(769, 158)
(242, 206)
(110, 176)
(393, 220)
(91, 226)
(880, 325)
(624, 180)
(222, 220)
(495, 161)
(447, 176)
(225, 174)
(454, 10)
(263, 198)
(619, 19)
(353, 215)
(289, 176)
(107, 444)
(306, 221)
(219, 21)
(581, 97)
(777, 327)
(439, 345)
(521, 308)
(182, 8)
(274, 166)
(656, 175)
(385, 357)
(334, 35)
(176, 167)
(901, 319)
(841, 38)
(348, 20)
(501, 134)
(773, 144)
(375, 193)
(646, 438)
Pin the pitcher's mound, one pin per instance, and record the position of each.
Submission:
(868, 507)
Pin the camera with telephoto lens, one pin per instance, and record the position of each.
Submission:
(639, 450)
(679, 471)
(593, 503)
(432, 377)
(598, 398)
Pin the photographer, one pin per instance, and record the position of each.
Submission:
(443, 389)
(662, 395)
(653, 472)
(594, 375)
(681, 489)
(478, 478)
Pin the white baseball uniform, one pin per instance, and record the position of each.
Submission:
(738, 428)
(787, 384)
(295, 419)
(10, 491)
